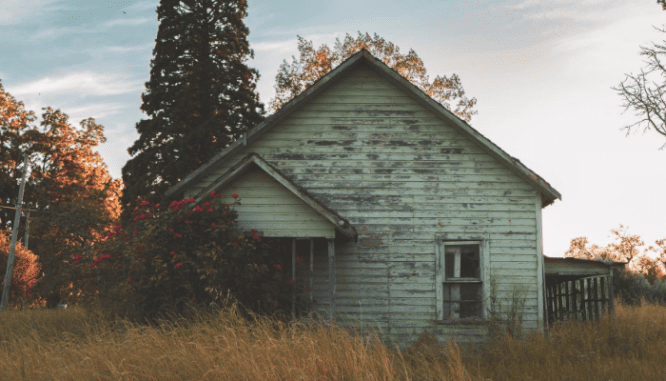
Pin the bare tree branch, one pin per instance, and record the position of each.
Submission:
(644, 96)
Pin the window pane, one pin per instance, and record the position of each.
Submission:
(449, 261)
(469, 261)
(463, 300)
(469, 266)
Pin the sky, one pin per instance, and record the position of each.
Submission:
(542, 72)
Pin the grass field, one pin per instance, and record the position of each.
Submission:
(74, 344)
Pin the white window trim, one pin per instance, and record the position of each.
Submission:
(484, 261)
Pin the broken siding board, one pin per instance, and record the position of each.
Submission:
(385, 152)
(442, 223)
(434, 213)
(455, 192)
(364, 106)
(367, 146)
(344, 165)
(397, 178)
(331, 162)
(294, 153)
(295, 171)
(301, 135)
(443, 204)
(425, 123)
(423, 187)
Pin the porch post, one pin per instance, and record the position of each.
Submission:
(611, 297)
(311, 267)
(331, 278)
(293, 276)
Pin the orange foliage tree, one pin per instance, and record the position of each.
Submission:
(313, 64)
(626, 248)
(69, 184)
(24, 274)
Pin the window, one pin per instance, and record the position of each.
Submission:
(460, 269)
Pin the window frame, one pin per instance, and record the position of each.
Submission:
(440, 271)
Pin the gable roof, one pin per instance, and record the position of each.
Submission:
(365, 57)
(254, 160)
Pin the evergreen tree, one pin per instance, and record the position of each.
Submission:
(200, 97)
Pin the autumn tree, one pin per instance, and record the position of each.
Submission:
(644, 92)
(25, 271)
(578, 249)
(626, 248)
(69, 184)
(313, 64)
(200, 97)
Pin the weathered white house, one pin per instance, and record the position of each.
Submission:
(408, 220)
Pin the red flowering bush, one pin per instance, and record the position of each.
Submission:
(171, 257)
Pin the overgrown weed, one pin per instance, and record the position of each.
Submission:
(76, 344)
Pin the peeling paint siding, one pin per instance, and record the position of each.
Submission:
(401, 176)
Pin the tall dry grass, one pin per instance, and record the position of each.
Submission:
(75, 344)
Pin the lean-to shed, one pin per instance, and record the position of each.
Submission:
(579, 289)
(408, 219)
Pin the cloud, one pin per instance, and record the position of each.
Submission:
(291, 45)
(580, 10)
(124, 22)
(122, 49)
(279, 47)
(142, 6)
(83, 84)
(55, 33)
(95, 110)
(16, 11)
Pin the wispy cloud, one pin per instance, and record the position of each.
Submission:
(123, 22)
(291, 45)
(16, 11)
(85, 83)
(95, 110)
(122, 49)
(142, 5)
(278, 47)
(55, 33)
(576, 10)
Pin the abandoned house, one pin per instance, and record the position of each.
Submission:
(405, 219)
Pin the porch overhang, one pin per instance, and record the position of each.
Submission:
(253, 160)
(567, 269)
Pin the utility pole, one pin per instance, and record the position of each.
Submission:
(27, 223)
(12, 245)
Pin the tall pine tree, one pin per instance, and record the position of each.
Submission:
(200, 97)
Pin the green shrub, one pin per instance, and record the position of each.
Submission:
(632, 288)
